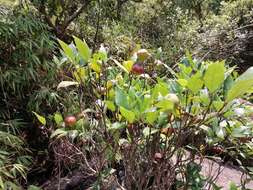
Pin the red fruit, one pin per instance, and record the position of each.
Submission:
(137, 69)
(217, 150)
(70, 121)
(158, 156)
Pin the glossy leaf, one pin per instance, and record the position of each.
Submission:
(151, 117)
(127, 114)
(214, 76)
(41, 119)
(67, 50)
(195, 83)
(83, 49)
(58, 118)
(128, 65)
(241, 85)
(165, 105)
(95, 66)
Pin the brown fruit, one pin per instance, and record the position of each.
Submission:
(70, 121)
(137, 69)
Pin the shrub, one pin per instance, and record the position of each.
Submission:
(139, 127)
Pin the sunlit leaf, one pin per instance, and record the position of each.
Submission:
(182, 82)
(80, 74)
(149, 131)
(110, 105)
(151, 117)
(120, 66)
(67, 50)
(241, 85)
(58, 118)
(214, 76)
(41, 119)
(117, 126)
(65, 84)
(195, 83)
(127, 114)
(83, 49)
(165, 105)
(128, 65)
(59, 133)
(95, 66)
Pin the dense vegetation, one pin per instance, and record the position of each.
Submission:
(124, 94)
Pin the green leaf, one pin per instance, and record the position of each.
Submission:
(232, 186)
(149, 131)
(182, 82)
(80, 74)
(110, 105)
(218, 105)
(129, 115)
(121, 98)
(120, 66)
(117, 126)
(67, 50)
(165, 105)
(32, 187)
(151, 117)
(58, 118)
(220, 132)
(214, 76)
(128, 65)
(41, 119)
(1, 183)
(195, 83)
(160, 88)
(59, 133)
(241, 85)
(241, 131)
(189, 58)
(95, 66)
(83, 49)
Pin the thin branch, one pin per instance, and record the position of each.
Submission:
(75, 15)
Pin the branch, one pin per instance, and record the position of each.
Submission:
(42, 10)
(75, 15)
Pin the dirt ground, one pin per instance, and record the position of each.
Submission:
(227, 174)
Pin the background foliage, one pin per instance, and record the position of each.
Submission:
(33, 63)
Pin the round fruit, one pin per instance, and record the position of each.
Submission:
(217, 150)
(173, 98)
(142, 55)
(137, 69)
(70, 121)
(158, 156)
